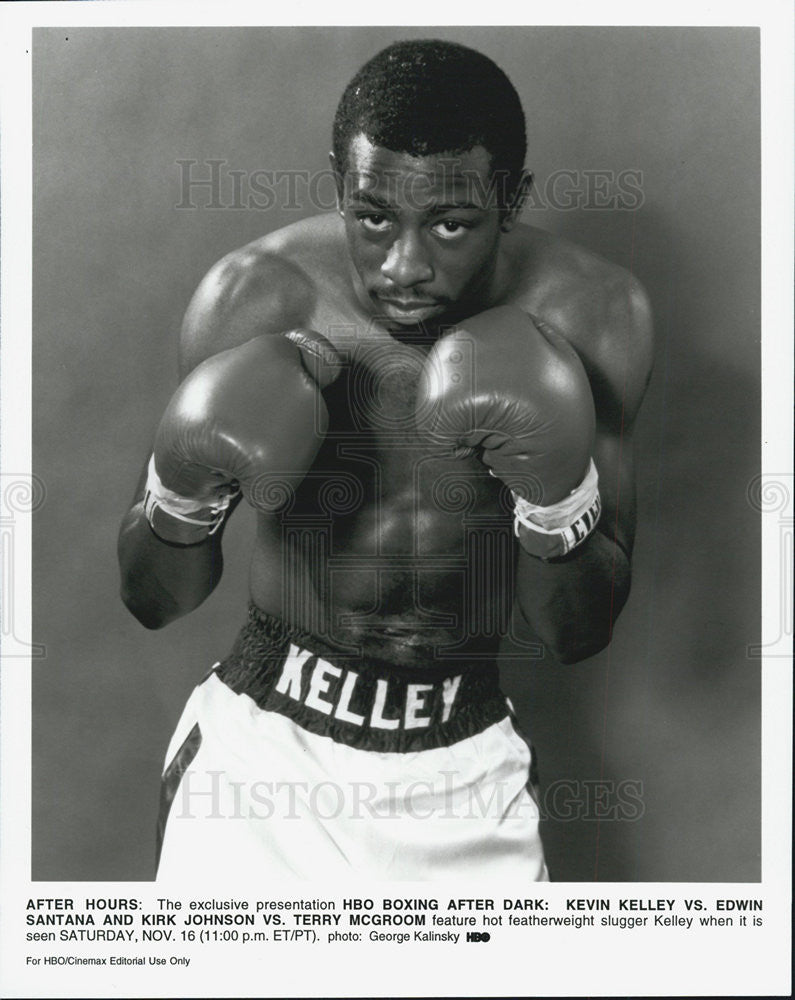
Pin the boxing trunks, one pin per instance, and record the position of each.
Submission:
(292, 760)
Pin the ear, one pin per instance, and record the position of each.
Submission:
(339, 181)
(514, 210)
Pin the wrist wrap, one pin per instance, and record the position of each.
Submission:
(179, 519)
(551, 532)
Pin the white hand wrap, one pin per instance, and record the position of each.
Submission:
(550, 532)
(169, 514)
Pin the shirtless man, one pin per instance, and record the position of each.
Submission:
(418, 394)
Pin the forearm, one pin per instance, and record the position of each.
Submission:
(160, 581)
(572, 603)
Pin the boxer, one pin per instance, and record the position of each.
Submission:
(430, 406)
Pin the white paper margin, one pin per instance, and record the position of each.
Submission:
(562, 963)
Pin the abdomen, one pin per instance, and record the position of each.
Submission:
(397, 550)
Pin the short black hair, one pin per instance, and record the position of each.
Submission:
(429, 97)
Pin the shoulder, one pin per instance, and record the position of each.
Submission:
(602, 310)
(267, 286)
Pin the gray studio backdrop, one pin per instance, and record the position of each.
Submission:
(673, 706)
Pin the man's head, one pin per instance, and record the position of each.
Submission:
(429, 144)
(431, 97)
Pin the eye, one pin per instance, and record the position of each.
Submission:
(374, 222)
(450, 229)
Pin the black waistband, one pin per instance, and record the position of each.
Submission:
(364, 703)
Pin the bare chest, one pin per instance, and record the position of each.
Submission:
(387, 492)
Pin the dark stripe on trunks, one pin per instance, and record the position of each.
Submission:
(169, 783)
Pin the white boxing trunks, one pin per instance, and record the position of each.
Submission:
(291, 760)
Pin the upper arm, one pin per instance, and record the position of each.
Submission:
(247, 293)
(618, 355)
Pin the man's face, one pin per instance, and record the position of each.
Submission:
(423, 232)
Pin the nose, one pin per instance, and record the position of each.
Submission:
(407, 262)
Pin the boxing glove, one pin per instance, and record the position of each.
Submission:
(250, 420)
(513, 392)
